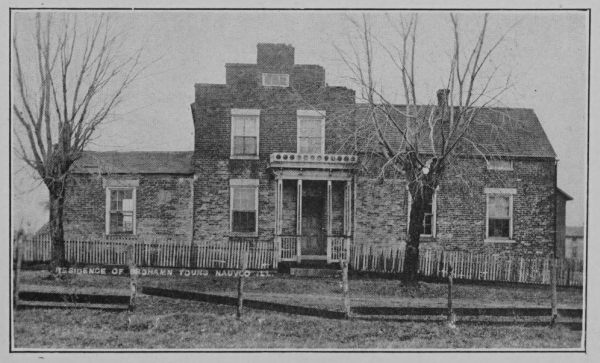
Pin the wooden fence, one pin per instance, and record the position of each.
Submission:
(155, 253)
(262, 255)
(467, 265)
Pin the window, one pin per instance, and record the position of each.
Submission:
(497, 164)
(311, 132)
(275, 80)
(244, 133)
(121, 215)
(429, 215)
(499, 222)
(428, 219)
(244, 205)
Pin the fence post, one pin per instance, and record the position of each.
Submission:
(17, 270)
(240, 304)
(345, 289)
(451, 316)
(553, 288)
(133, 276)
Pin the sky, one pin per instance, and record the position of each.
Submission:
(544, 54)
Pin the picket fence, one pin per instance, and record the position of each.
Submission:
(155, 253)
(466, 265)
(433, 263)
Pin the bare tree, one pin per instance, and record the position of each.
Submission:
(421, 141)
(68, 77)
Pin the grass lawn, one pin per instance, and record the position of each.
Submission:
(170, 323)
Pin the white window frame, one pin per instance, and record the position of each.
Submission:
(286, 77)
(243, 183)
(246, 113)
(310, 114)
(433, 213)
(510, 192)
(110, 185)
(490, 167)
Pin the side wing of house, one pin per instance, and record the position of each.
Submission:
(147, 195)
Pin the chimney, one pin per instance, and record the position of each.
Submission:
(442, 96)
(270, 56)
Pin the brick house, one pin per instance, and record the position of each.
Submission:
(272, 162)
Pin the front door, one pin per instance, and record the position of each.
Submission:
(314, 237)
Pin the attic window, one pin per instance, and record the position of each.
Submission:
(275, 80)
(498, 164)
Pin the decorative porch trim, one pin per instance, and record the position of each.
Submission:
(296, 174)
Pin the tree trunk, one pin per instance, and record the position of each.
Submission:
(415, 229)
(57, 200)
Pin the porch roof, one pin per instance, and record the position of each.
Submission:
(313, 161)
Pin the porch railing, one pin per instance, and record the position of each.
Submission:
(290, 247)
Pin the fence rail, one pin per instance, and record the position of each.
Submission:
(264, 255)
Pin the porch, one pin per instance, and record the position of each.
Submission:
(313, 207)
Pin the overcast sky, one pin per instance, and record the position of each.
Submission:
(545, 54)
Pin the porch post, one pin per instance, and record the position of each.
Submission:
(347, 217)
(329, 208)
(279, 207)
(329, 219)
(347, 209)
(278, 220)
(299, 219)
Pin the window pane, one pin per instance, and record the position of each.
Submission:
(249, 146)
(499, 164)
(238, 145)
(116, 222)
(244, 221)
(127, 223)
(499, 206)
(250, 126)
(427, 224)
(244, 199)
(275, 79)
(309, 145)
(310, 127)
(127, 205)
(499, 227)
(237, 125)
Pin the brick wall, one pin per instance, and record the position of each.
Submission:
(163, 206)
(382, 208)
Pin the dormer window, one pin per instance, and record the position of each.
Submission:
(275, 80)
(311, 132)
(499, 164)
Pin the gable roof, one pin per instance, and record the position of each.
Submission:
(135, 162)
(500, 132)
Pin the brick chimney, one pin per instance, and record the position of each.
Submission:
(271, 56)
(442, 97)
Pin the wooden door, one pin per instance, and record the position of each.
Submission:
(314, 238)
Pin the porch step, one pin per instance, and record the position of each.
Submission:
(314, 272)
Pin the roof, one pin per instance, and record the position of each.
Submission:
(574, 231)
(502, 132)
(135, 162)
